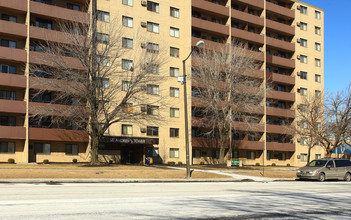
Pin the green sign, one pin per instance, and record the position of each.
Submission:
(235, 162)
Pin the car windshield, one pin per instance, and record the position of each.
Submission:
(317, 163)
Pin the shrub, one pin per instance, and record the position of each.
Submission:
(46, 161)
(257, 164)
(273, 164)
(74, 160)
(180, 163)
(171, 163)
(202, 163)
(110, 162)
(11, 160)
(288, 165)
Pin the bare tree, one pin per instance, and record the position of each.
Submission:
(308, 124)
(94, 69)
(226, 91)
(337, 123)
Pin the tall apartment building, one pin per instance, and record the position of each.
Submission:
(283, 34)
(276, 31)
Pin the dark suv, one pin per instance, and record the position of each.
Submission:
(323, 169)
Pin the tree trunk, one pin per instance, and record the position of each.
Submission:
(94, 150)
(223, 144)
(309, 154)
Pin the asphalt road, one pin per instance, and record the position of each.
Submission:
(239, 200)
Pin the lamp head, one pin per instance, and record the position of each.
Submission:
(199, 43)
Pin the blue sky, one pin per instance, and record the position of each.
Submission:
(337, 42)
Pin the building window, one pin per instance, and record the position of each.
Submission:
(105, 83)
(72, 149)
(127, 129)
(303, 42)
(174, 152)
(318, 78)
(8, 120)
(250, 155)
(303, 91)
(153, 6)
(318, 46)
(173, 71)
(8, 69)
(152, 48)
(174, 92)
(152, 110)
(9, 95)
(303, 157)
(103, 16)
(42, 23)
(317, 14)
(153, 27)
(317, 62)
(151, 131)
(174, 32)
(174, 132)
(303, 26)
(9, 18)
(174, 12)
(318, 156)
(303, 75)
(102, 38)
(317, 30)
(317, 93)
(303, 10)
(152, 68)
(40, 148)
(73, 7)
(303, 124)
(127, 42)
(7, 147)
(196, 153)
(303, 59)
(152, 89)
(127, 2)
(8, 43)
(155, 152)
(174, 52)
(127, 64)
(174, 112)
(127, 21)
(303, 140)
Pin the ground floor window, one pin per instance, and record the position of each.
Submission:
(215, 154)
(72, 149)
(250, 155)
(155, 152)
(7, 147)
(174, 152)
(41, 148)
(318, 156)
(268, 155)
(196, 153)
(303, 157)
(127, 129)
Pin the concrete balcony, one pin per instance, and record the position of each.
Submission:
(18, 6)
(284, 147)
(51, 35)
(13, 54)
(12, 106)
(281, 28)
(211, 27)
(282, 11)
(280, 78)
(203, 142)
(46, 59)
(280, 61)
(256, 3)
(242, 34)
(279, 95)
(208, 43)
(49, 134)
(279, 112)
(279, 129)
(55, 12)
(247, 18)
(12, 132)
(13, 29)
(248, 145)
(12, 80)
(219, 10)
(55, 109)
(280, 44)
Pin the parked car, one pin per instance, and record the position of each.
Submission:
(324, 169)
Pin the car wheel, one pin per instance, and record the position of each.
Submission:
(321, 177)
(347, 177)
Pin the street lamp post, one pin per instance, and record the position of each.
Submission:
(188, 175)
